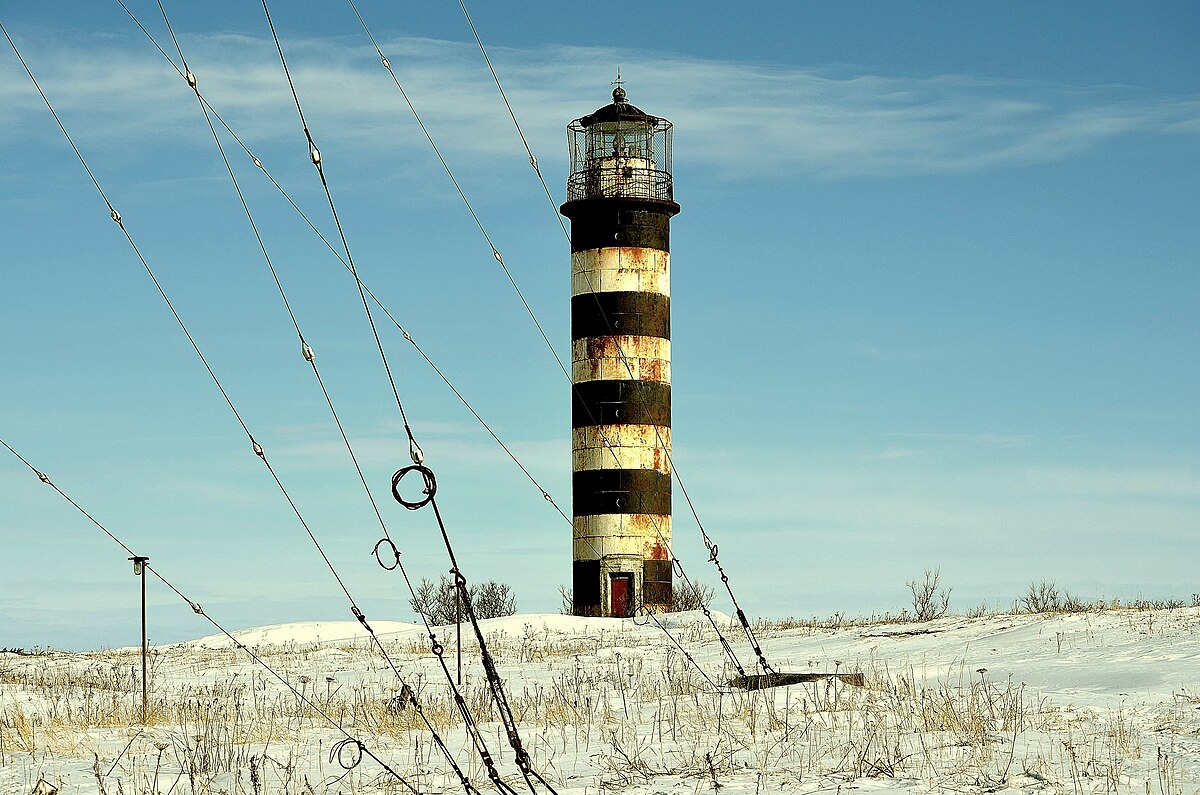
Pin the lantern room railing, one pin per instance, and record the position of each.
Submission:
(620, 181)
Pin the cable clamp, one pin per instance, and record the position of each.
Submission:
(191, 79)
(415, 452)
(315, 154)
(256, 162)
(308, 352)
(42, 476)
(361, 618)
(386, 63)
(533, 162)
(258, 450)
(196, 608)
(496, 254)
(116, 216)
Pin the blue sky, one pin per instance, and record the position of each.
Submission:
(934, 295)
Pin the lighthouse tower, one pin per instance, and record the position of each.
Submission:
(620, 202)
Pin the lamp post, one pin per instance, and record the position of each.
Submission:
(139, 570)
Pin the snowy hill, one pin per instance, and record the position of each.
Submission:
(1085, 702)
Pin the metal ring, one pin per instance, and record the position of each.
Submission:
(430, 486)
(339, 749)
(395, 553)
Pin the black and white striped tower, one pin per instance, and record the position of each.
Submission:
(620, 202)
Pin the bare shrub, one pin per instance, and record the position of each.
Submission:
(927, 600)
(691, 596)
(568, 601)
(493, 599)
(980, 611)
(1041, 597)
(436, 601)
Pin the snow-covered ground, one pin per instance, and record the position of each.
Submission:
(1067, 703)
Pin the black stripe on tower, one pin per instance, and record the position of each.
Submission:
(600, 491)
(633, 313)
(610, 222)
(621, 402)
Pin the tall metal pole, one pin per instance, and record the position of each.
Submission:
(139, 568)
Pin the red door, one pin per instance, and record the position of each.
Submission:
(621, 590)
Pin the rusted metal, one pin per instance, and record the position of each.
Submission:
(630, 491)
(621, 447)
(620, 270)
(620, 312)
(654, 550)
(621, 402)
(614, 535)
(657, 582)
(615, 221)
(621, 358)
(585, 585)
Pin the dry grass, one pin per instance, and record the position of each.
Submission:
(615, 708)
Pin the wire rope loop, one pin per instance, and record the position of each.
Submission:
(429, 490)
(712, 553)
(338, 752)
(395, 561)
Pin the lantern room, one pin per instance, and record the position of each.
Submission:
(620, 152)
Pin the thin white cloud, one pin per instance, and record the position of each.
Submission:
(983, 439)
(740, 120)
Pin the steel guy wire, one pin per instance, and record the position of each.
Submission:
(375, 299)
(470, 209)
(621, 354)
(522, 757)
(198, 610)
(258, 164)
(495, 252)
(545, 494)
(495, 684)
(532, 160)
(436, 646)
(405, 333)
(306, 349)
(258, 449)
(315, 155)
